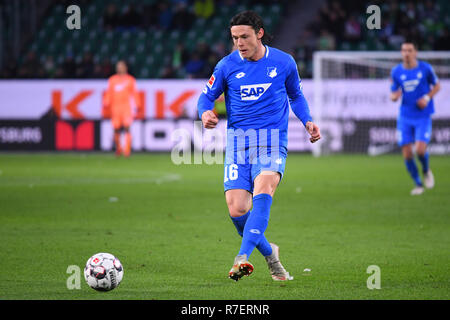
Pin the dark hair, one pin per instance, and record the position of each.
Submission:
(411, 41)
(252, 19)
(123, 61)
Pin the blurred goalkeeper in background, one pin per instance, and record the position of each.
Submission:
(121, 88)
(416, 82)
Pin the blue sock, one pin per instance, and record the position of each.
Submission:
(256, 223)
(239, 222)
(263, 246)
(424, 161)
(412, 169)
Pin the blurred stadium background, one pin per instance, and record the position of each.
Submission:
(181, 41)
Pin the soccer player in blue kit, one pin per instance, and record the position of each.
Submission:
(259, 83)
(417, 82)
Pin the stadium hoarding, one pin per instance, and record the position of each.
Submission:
(49, 135)
(67, 115)
(373, 137)
(171, 99)
(82, 99)
(29, 135)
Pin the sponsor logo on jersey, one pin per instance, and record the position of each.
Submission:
(410, 85)
(240, 75)
(211, 81)
(254, 91)
(121, 86)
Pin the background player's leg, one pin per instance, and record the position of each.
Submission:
(117, 141)
(422, 154)
(127, 121)
(411, 166)
(422, 137)
(127, 147)
(117, 125)
(257, 222)
(239, 202)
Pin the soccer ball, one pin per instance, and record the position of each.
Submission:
(103, 272)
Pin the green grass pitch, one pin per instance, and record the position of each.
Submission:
(169, 226)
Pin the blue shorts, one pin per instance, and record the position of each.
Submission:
(412, 130)
(242, 167)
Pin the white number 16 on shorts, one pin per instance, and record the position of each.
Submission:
(231, 172)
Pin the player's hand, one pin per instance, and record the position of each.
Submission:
(313, 130)
(209, 119)
(396, 95)
(423, 102)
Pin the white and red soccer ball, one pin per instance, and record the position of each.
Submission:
(103, 272)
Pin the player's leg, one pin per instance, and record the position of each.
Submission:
(238, 183)
(238, 188)
(423, 155)
(267, 175)
(116, 123)
(423, 135)
(410, 163)
(405, 140)
(266, 184)
(267, 167)
(127, 121)
(257, 222)
(127, 146)
(239, 202)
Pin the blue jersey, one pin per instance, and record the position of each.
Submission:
(414, 83)
(257, 93)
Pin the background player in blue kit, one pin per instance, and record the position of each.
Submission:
(417, 82)
(259, 83)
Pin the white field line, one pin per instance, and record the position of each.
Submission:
(42, 181)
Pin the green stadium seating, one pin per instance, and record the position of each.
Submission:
(147, 51)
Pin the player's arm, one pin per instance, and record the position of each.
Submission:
(108, 94)
(435, 87)
(136, 94)
(425, 99)
(107, 100)
(213, 89)
(396, 90)
(136, 98)
(298, 103)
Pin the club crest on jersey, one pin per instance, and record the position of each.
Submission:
(211, 81)
(272, 72)
(119, 87)
(254, 91)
